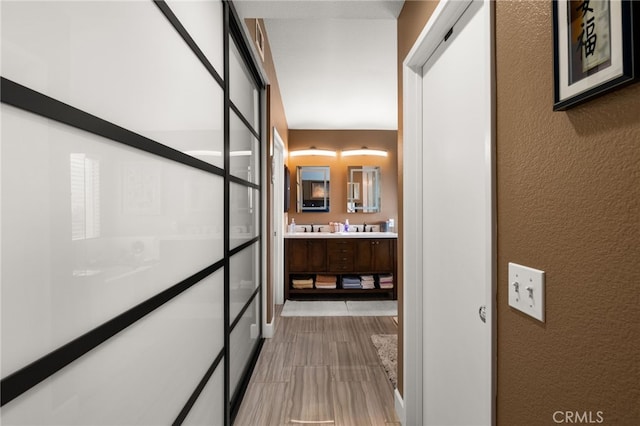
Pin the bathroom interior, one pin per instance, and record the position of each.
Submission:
(343, 200)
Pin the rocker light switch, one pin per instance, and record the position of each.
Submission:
(526, 290)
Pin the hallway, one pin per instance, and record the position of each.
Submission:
(320, 370)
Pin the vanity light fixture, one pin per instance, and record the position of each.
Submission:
(312, 151)
(364, 151)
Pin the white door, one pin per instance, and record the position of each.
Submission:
(457, 236)
(277, 215)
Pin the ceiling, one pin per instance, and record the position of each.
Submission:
(336, 61)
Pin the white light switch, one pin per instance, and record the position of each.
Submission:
(526, 290)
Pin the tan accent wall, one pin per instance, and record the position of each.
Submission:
(346, 139)
(568, 189)
(569, 204)
(275, 118)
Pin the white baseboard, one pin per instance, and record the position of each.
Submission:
(399, 406)
(268, 330)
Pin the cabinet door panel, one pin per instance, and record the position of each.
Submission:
(363, 255)
(297, 255)
(383, 256)
(316, 255)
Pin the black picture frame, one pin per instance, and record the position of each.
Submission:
(595, 48)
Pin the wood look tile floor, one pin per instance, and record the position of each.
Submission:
(320, 370)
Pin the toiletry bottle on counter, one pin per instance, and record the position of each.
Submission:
(346, 225)
(292, 227)
(391, 225)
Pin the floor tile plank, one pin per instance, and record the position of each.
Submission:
(351, 407)
(311, 399)
(264, 404)
(310, 349)
(275, 363)
(320, 369)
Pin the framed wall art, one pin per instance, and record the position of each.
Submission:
(595, 48)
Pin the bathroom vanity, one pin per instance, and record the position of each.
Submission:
(308, 255)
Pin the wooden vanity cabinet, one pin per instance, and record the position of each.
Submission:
(374, 255)
(306, 256)
(339, 256)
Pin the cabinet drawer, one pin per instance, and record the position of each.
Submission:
(338, 245)
(340, 262)
(337, 268)
(347, 251)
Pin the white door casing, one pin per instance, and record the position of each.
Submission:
(449, 208)
(278, 225)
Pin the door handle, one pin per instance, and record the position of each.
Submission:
(482, 312)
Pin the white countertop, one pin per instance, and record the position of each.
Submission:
(341, 235)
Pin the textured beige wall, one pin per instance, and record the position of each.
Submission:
(346, 139)
(275, 118)
(568, 188)
(569, 204)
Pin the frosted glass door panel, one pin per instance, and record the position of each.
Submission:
(244, 278)
(143, 375)
(243, 91)
(91, 229)
(245, 152)
(120, 61)
(209, 407)
(243, 340)
(244, 214)
(203, 21)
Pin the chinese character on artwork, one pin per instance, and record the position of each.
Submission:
(589, 23)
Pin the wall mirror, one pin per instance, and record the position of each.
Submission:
(363, 189)
(313, 189)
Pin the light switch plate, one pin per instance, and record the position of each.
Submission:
(526, 290)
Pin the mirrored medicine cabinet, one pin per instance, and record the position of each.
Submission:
(363, 189)
(313, 189)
